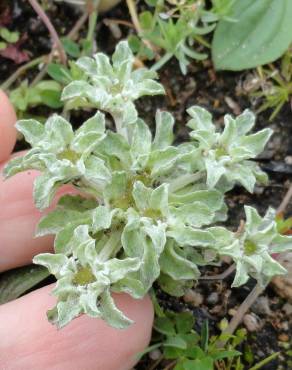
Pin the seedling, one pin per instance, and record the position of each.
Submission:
(147, 209)
(275, 85)
(7, 37)
(175, 28)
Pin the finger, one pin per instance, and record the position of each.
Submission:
(18, 221)
(30, 342)
(7, 129)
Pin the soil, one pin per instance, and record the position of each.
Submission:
(220, 93)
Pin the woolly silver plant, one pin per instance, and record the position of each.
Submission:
(148, 209)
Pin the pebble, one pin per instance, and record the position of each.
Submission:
(283, 284)
(155, 354)
(283, 337)
(213, 298)
(288, 159)
(232, 312)
(261, 306)
(285, 325)
(193, 297)
(251, 322)
(287, 308)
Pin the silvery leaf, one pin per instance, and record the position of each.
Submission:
(186, 235)
(175, 265)
(201, 119)
(164, 130)
(141, 144)
(111, 314)
(32, 130)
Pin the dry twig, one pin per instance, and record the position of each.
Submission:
(47, 22)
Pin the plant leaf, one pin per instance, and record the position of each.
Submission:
(16, 282)
(262, 33)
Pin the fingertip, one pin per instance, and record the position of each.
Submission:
(7, 127)
(86, 343)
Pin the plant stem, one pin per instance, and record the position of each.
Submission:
(93, 13)
(161, 62)
(43, 71)
(170, 365)
(220, 276)
(245, 305)
(47, 22)
(184, 180)
(6, 84)
(285, 201)
(156, 363)
(134, 16)
(72, 35)
(265, 361)
(42, 59)
(135, 20)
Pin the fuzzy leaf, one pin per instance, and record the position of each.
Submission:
(111, 314)
(164, 130)
(32, 130)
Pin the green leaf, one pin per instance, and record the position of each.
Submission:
(205, 336)
(71, 47)
(175, 341)
(15, 283)
(59, 73)
(261, 34)
(164, 326)
(184, 322)
(199, 364)
(9, 36)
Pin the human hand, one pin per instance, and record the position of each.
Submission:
(28, 341)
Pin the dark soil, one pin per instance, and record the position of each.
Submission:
(219, 93)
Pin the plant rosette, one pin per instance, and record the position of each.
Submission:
(149, 209)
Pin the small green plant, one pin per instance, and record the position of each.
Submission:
(275, 88)
(191, 350)
(175, 27)
(148, 209)
(187, 349)
(7, 37)
(46, 92)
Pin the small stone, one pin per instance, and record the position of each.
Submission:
(261, 306)
(155, 354)
(283, 284)
(251, 322)
(285, 325)
(259, 190)
(288, 159)
(213, 298)
(193, 297)
(287, 308)
(283, 337)
(232, 312)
